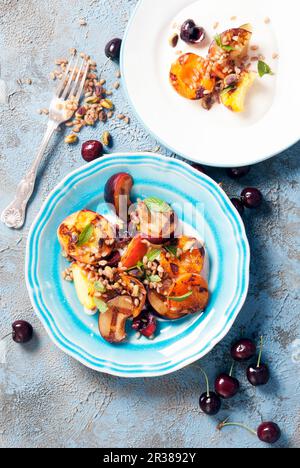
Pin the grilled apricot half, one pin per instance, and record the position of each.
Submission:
(190, 77)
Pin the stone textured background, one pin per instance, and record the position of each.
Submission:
(46, 398)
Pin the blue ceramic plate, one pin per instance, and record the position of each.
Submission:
(179, 343)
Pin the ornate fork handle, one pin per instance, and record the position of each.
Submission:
(14, 215)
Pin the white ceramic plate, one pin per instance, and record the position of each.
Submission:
(219, 137)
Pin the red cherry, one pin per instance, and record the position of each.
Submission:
(91, 150)
(22, 331)
(269, 432)
(243, 350)
(226, 386)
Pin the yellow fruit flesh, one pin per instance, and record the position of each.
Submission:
(235, 100)
(84, 288)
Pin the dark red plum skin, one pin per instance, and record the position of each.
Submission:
(119, 185)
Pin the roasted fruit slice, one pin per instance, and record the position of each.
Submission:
(192, 286)
(231, 44)
(192, 257)
(234, 99)
(112, 323)
(84, 288)
(190, 76)
(137, 291)
(190, 260)
(86, 236)
(135, 252)
(160, 305)
(157, 220)
(117, 192)
(190, 295)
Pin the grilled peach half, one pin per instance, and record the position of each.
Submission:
(193, 286)
(190, 77)
(86, 236)
(233, 43)
(234, 99)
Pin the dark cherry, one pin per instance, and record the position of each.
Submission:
(91, 150)
(269, 432)
(238, 205)
(251, 197)
(22, 331)
(113, 49)
(226, 386)
(191, 33)
(243, 350)
(238, 172)
(146, 324)
(258, 375)
(210, 403)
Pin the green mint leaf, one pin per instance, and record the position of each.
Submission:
(157, 205)
(229, 88)
(264, 69)
(101, 306)
(172, 249)
(85, 235)
(218, 40)
(181, 298)
(100, 287)
(227, 48)
(153, 255)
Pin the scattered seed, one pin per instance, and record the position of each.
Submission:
(106, 138)
(173, 41)
(118, 74)
(216, 25)
(267, 20)
(70, 139)
(82, 22)
(116, 85)
(233, 18)
(275, 56)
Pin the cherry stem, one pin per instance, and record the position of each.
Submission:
(206, 379)
(231, 370)
(228, 424)
(6, 336)
(260, 352)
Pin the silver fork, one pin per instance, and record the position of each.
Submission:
(70, 87)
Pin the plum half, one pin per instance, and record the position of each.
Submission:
(117, 192)
(112, 323)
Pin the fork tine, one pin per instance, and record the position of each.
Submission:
(62, 82)
(80, 72)
(81, 86)
(70, 80)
